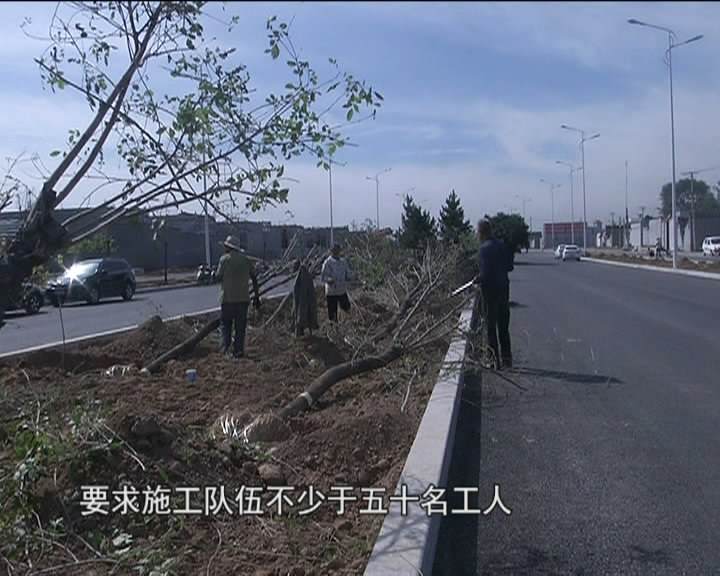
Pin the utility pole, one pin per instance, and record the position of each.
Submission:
(693, 199)
(642, 224)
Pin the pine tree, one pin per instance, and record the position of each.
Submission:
(417, 226)
(453, 226)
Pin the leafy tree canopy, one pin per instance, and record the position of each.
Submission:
(511, 229)
(706, 204)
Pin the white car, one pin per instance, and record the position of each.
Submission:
(571, 252)
(711, 246)
(559, 251)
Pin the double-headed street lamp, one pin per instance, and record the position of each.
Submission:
(572, 194)
(552, 207)
(376, 178)
(583, 139)
(672, 43)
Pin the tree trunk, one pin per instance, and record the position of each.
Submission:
(38, 239)
(184, 347)
(336, 374)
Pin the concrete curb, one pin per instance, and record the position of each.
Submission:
(73, 343)
(692, 273)
(406, 543)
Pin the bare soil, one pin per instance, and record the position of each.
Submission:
(61, 429)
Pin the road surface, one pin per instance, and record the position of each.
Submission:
(80, 319)
(604, 442)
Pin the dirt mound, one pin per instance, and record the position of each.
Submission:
(148, 341)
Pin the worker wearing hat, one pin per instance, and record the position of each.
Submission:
(234, 272)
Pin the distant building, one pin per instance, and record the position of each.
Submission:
(563, 233)
(184, 235)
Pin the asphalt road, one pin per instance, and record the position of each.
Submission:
(604, 439)
(80, 319)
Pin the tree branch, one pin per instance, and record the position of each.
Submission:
(119, 89)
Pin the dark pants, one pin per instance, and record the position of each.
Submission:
(233, 313)
(332, 305)
(497, 318)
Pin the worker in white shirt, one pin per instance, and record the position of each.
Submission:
(336, 274)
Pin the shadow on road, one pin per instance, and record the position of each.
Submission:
(17, 314)
(526, 263)
(109, 301)
(567, 376)
(457, 546)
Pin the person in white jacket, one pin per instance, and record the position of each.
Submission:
(336, 274)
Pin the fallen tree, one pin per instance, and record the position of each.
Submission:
(210, 128)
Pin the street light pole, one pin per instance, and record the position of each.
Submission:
(332, 239)
(376, 178)
(524, 201)
(330, 163)
(552, 208)
(583, 139)
(668, 55)
(572, 196)
(627, 212)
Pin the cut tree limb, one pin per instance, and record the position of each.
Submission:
(398, 316)
(282, 305)
(184, 347)
(333, 375)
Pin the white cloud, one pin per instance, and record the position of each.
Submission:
(594, 35)
(638, 132)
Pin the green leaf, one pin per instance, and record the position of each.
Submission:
(55, 153)
(275, 51)
(61, 82)
(349, 114)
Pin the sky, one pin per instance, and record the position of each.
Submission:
(474, 97)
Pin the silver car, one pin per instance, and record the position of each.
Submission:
(571, 252)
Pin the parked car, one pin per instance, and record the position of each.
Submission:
(92, 280)
(571, 252)
(559, 251)
(711, 246)
(29, 298)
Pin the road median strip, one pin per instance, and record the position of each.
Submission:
(407, 542)
(692, 273)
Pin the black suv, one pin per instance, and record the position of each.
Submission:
(91, 280)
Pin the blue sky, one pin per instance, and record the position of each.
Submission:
(474, 97)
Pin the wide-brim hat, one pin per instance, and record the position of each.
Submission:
(233, 243)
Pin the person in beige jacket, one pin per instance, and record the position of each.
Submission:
(234, 272)
(336, 275)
